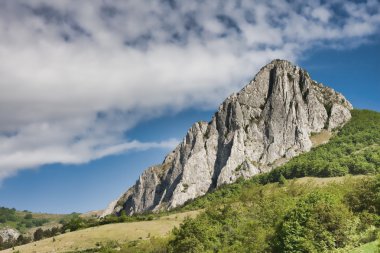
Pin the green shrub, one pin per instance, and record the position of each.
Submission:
(318, 223)
(365, 196)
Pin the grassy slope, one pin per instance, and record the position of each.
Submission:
(121, 232)
(371, 247)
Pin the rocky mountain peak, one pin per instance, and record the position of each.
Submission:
(266, 123)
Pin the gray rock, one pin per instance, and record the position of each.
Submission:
(268, 122)
(9, 234)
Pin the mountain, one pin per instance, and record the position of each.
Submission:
(255, 130)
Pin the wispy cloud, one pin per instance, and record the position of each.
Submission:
(76, 75)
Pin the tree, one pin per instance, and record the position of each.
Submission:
(365, 196)
(38, 234)
(74, 223)
(282, 180)
(54, 231)
(123, 216)
(23, 240)
(47, 233)
(28, 216)
(318, 223)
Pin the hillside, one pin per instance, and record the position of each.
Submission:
(339, 214)
(285, 217)
(250, 213)
(242, 222)
(26, 222)
(101, 235)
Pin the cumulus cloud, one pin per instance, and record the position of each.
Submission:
(77, 75)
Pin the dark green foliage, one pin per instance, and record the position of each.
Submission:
(38, 234)
(318, 223)
(123, 217)
(242, 225)
(283, 218)
(76, 222)
(282, 180)
(28, 216)
(365, 196)
(12, 243)
(7, 214)
(22, 239)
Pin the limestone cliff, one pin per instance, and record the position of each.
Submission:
(269, 121)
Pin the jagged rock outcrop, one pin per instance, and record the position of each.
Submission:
(9, 234)
(269, 121)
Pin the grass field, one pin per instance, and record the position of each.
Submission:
(121, 232)
(371, 247)
(324, 181)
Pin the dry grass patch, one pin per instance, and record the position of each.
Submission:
(320, 138)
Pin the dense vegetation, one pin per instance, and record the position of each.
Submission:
(290, 218)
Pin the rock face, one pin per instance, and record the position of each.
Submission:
(265, 124)
(109, 209)
(9, 234)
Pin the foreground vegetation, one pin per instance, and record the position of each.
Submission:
(288, 218)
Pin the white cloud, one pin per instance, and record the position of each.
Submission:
(75, 75)
(321, 13)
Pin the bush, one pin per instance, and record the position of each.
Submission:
(317, 224)
(28, 216)
(365, 196)
(38, 234)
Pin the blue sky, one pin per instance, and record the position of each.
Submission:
(93, 92)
